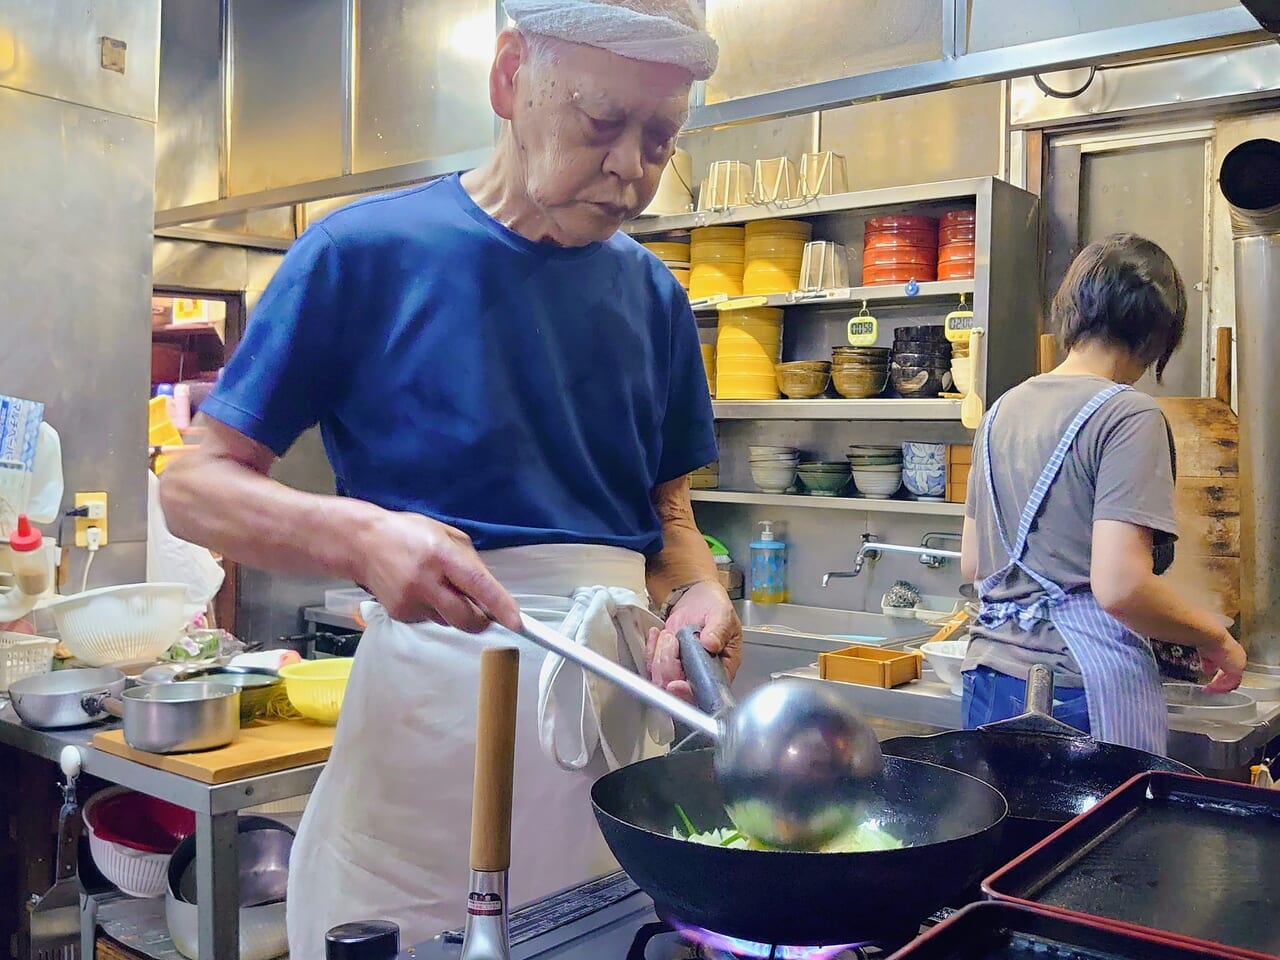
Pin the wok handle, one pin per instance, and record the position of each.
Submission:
(96, 704)
(1040, 690)
(495, 760)
(705, 674)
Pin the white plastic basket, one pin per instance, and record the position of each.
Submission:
(136, 872)
(23, 656)
(135, 621)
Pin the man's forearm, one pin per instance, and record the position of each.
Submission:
(232, 509)
(685, 557)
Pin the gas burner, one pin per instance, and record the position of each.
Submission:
(693, 943)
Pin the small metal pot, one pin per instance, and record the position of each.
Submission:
(177, 717)
(258, 686)
(65, 698)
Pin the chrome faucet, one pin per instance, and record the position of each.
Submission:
(871, 548)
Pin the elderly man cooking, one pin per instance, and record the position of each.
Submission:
(511, 395)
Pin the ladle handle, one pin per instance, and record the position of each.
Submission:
(1040, 690)
(495, 760)
(705, 674)
(602, 666)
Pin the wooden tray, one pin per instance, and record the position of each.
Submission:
(263, 748)
(870, 666)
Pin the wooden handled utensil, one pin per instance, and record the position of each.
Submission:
(485, 936)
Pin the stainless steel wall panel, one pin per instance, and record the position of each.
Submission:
(421, 79)
(1005, 23)
(951, 134)
(186, 265)
(53, 48)
(768, 45)
(286, 93)
(190, 117)
(789, 137)
(75, 256)
(1227, 77)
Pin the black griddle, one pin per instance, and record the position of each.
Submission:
(1165, 854)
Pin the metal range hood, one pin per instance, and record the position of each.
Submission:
(1250, 182)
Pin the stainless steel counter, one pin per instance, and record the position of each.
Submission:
(1209, 747)
(216, 807)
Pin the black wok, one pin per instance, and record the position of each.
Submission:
(782, 897)
(1048, 771)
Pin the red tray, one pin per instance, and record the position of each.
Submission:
(954, 218)
(900, 222)
(961, 233)
(900, 238)
(1168, 856)
(878, 276)
(960, 252)
(1000, 931)
(900, 257)
(956, 270)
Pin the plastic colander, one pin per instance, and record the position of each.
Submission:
(316, 687)
(136, 621)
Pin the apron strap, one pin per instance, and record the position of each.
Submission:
(1054, 466)
(985, 447)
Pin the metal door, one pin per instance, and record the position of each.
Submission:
(1155, 185)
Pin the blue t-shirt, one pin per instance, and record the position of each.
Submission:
(522, 392)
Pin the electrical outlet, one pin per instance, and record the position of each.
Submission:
(96, 503)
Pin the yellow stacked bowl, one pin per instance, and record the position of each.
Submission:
(748, 345)
(716, 262)
(773, 252)
(675, 255)
(709, 365)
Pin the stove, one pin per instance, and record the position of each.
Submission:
(611, 919)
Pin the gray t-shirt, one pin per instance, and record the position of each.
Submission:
(1118, 468)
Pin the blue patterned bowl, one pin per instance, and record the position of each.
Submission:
(924, 468)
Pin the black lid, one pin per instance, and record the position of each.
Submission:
(364, 940)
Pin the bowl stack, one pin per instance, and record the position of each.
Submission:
(955, 244)
(877, 470)
(709, 365)
(899, 249)
(715, 258)
(748, 345)
(673, 251)
(774, 254)
(924, 469)
(804, 379)
(921, 365)
(859, 372)
(773, 469)
(824, 479)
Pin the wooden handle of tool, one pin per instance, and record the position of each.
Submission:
(495, 760)
(1048, 352)
(1222, 366)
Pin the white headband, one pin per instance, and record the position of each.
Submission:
(638, 36)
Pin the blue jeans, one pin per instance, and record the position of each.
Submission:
(990, 696)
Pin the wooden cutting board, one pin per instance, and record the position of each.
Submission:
(262, 748)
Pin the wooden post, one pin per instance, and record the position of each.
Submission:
(1048, 352)
(1222, 365)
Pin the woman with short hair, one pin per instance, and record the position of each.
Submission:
(1070, 493)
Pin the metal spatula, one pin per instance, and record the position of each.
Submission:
(55, 917)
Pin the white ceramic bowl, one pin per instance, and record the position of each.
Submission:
(946, 657)
(774, 479)
(877, 486)
(764, 449)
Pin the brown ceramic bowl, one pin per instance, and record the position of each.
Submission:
(856, 383)
(800, 381)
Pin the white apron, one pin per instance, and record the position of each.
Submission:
(386, 831)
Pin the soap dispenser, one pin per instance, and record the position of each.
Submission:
(768, 567)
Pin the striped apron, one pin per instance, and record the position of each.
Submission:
(1121, 680)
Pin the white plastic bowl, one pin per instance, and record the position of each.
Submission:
(135, 621)
(136, 872)
(946, 657)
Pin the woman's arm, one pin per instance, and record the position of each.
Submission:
(969, 550)
(1123, 583)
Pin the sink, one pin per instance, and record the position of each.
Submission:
(786, 636)
(775, 623)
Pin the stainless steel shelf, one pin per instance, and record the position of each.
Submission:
(819, 206)
(854, 296)
(859, 504)
(909, 410)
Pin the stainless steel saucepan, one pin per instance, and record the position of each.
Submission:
(177, 717)
(65, 698)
